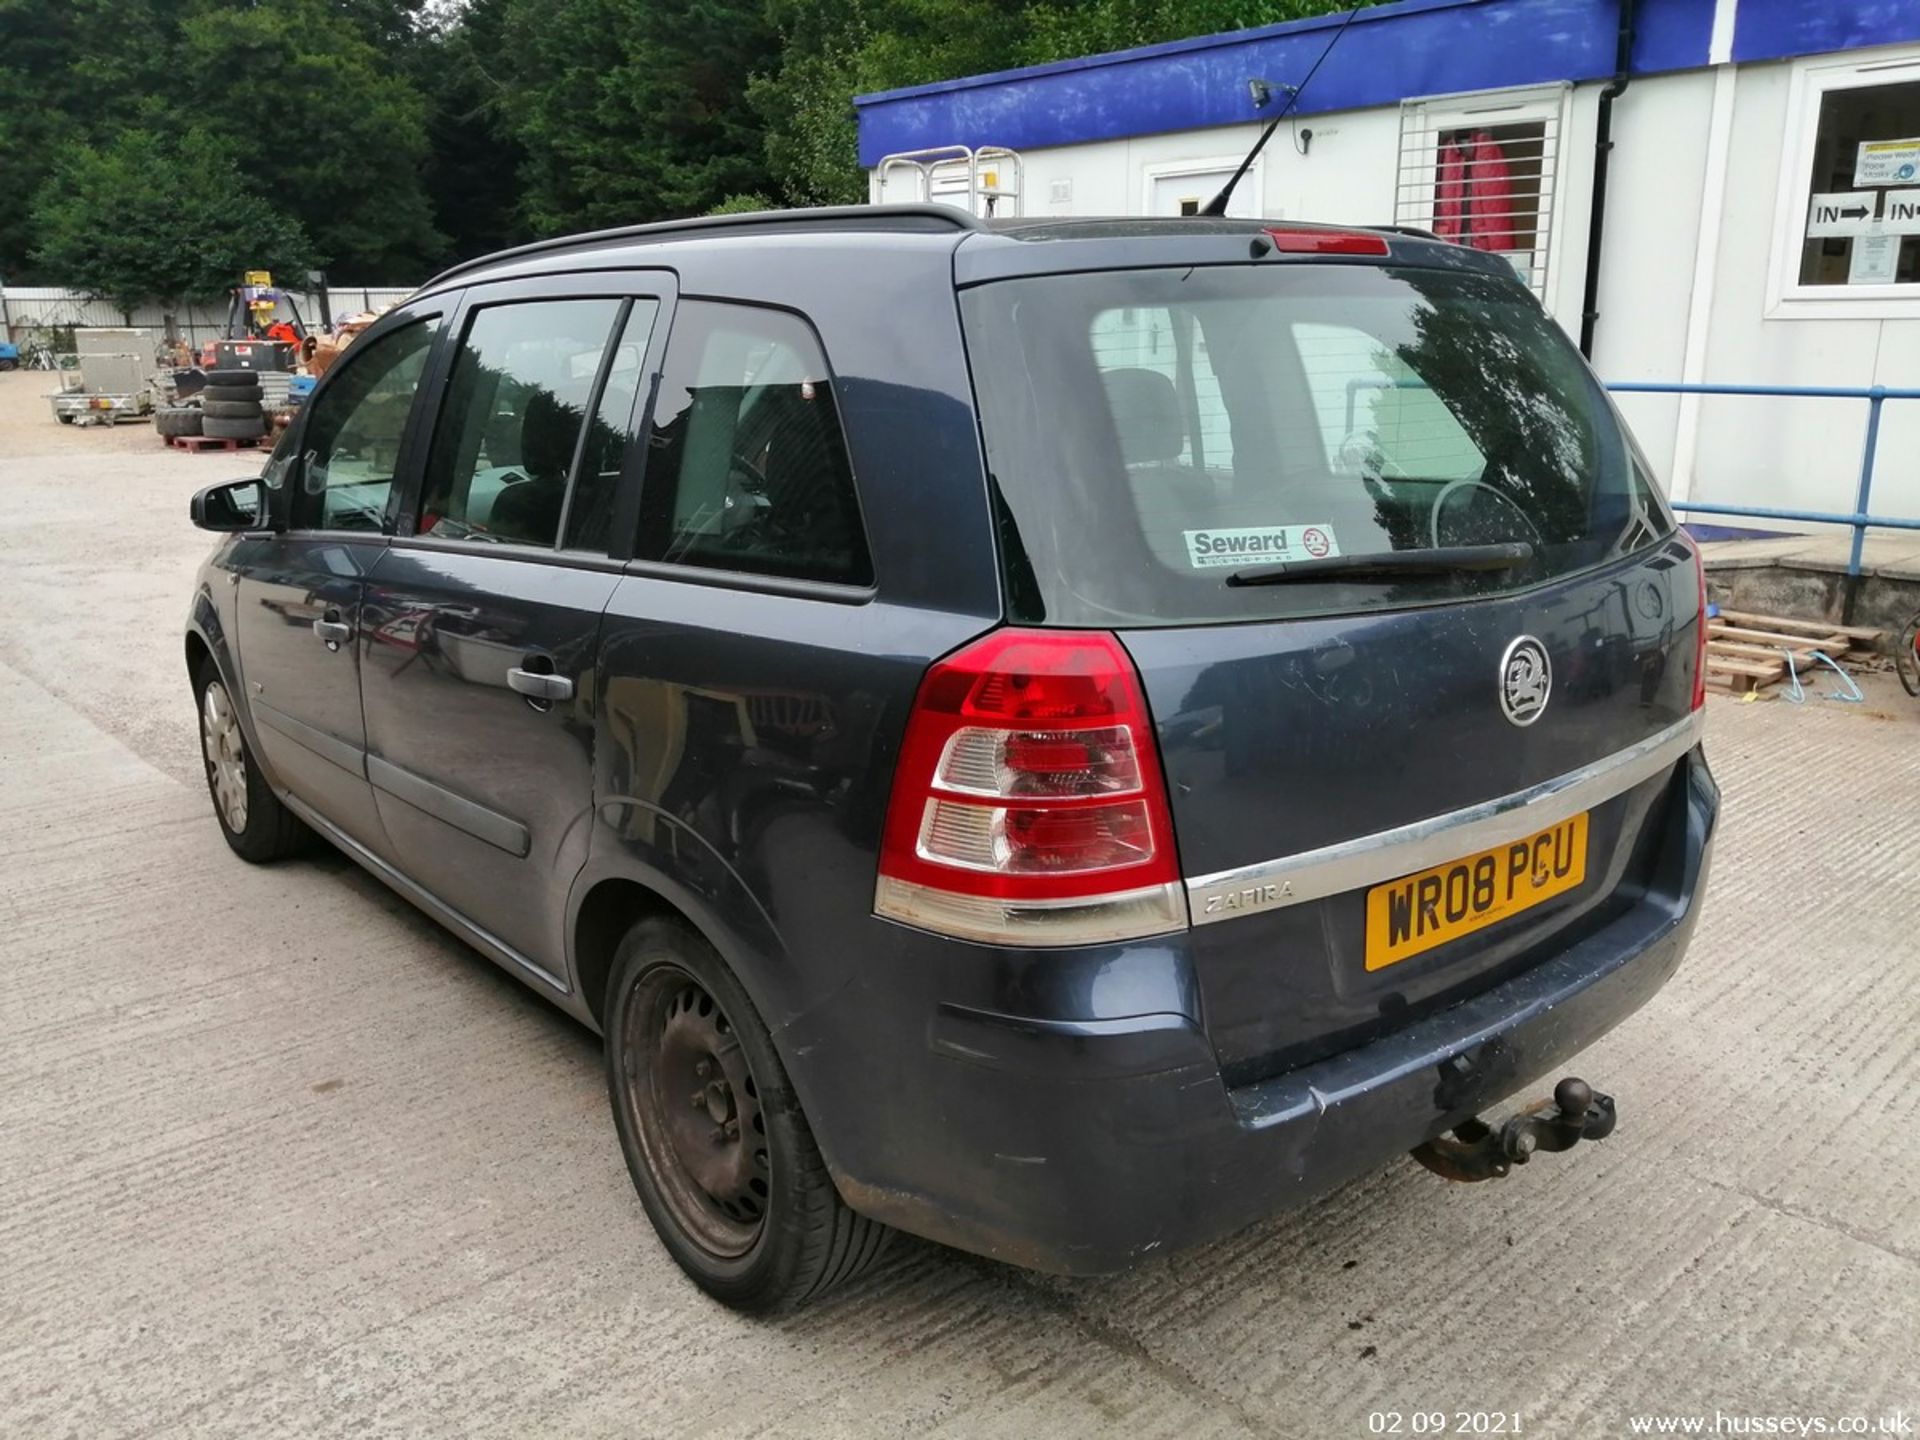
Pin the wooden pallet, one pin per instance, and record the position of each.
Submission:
(201, 444)
(1748, 651)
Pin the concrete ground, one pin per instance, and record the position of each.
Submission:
(279, 1157)
(1891, 554)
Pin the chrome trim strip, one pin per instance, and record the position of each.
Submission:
(1388, 854)
(463, 814)
(348, 757)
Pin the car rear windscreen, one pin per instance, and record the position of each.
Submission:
(1153, 433)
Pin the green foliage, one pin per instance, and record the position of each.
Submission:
(147, 219)
(395, 132)
(832, 50)
(630, 112)
(743, 205)
(474, 161)
(324, 124)
(69, 70)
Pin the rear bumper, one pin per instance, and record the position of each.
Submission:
(1079, 1146)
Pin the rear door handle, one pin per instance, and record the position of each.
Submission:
(537, 686)
(333, 633)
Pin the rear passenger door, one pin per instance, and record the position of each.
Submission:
(483, 617)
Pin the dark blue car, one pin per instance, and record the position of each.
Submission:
(1064, 738)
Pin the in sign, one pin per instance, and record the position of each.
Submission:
(1902, 212)
(1845, 214)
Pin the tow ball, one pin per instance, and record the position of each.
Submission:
(1477, 1151)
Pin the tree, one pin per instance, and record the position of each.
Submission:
(832, 50)
(631, 112)
(326, 124)
(69, 69)
(474, 167)
(146, 219)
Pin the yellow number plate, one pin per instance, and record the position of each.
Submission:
(1411, 915)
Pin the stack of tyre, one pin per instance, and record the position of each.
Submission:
(230, 406)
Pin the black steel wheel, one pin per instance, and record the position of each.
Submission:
(719, 1151)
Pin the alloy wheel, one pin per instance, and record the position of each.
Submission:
(226, 754)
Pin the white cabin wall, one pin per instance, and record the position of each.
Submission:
(1774, 452)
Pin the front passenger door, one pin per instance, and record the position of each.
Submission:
(300, 587)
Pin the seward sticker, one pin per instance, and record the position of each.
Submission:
(1260, 545)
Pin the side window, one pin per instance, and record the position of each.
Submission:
(748, 465)
(517, 398)
(350, 443)
(590, 511)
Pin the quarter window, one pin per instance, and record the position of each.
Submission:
(350, 444)
(748, 466)
(507, 437)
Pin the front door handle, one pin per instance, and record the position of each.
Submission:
(333, 633)
(537, 686)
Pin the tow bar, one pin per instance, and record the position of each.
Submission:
(1476, 1151)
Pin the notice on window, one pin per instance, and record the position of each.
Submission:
(1900, 212)
(1876, 259)
(1888, 162)
(1834, 216)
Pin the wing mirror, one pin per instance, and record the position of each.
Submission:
(236, 505)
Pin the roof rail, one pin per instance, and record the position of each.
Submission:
(847, 217)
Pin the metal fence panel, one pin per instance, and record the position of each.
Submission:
(30, 307)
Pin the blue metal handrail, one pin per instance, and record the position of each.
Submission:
(1858, 519)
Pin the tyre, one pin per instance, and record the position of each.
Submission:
(174, 420)
(231, 409)
(723, 1159)
(1906, 656)
(243, 393)
(257, 826)
(9, 364)
(224, 429)
(233, 377)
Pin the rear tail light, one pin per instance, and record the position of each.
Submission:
(1700, 635)
(1028, 806)
(1307, 240)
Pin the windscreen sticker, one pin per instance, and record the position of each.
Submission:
(1260, 545)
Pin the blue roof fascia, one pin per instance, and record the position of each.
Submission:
(1390, 53)
(1781, 29)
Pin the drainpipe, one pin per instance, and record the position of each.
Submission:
(1602, 148)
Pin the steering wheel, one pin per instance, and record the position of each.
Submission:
(1502, 502)
(1365, 459)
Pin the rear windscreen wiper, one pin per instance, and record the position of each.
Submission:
(1389, 565)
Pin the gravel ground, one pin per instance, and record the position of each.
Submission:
(279, 1157)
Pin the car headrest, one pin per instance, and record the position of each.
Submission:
(1146, 415)
(548, 429)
